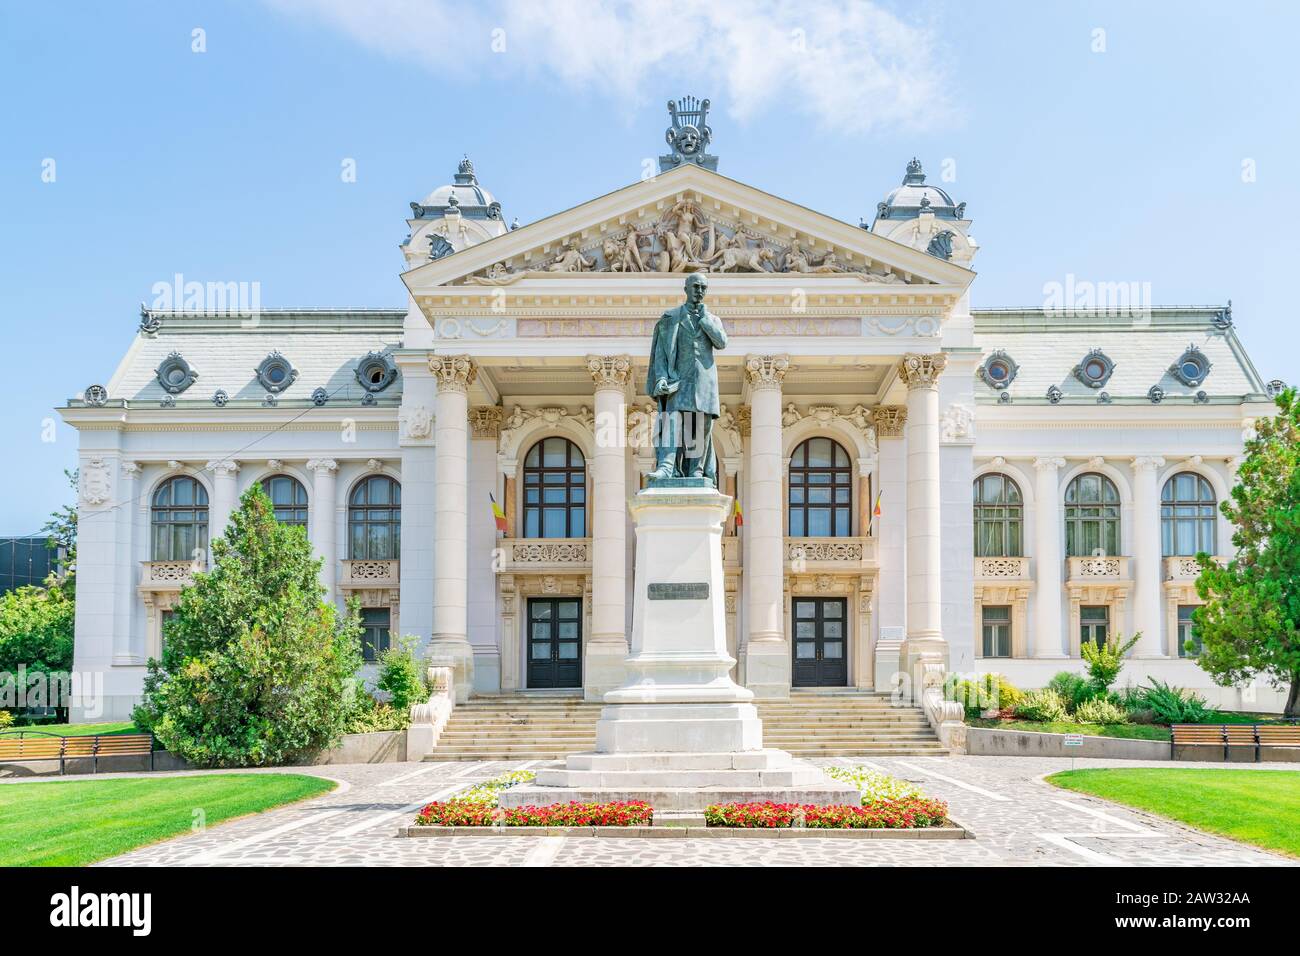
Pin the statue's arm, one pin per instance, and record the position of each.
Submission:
(712, 327)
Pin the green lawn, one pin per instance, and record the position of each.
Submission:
(83, 730)
(75, 822)
(1129, 731)
(1261, 807)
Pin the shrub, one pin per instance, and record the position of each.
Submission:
(465, 813)
(1174, 705)
(376, 717)
(1100, 710)
(912, 813)
(1105, 660)
(257, 668)
(400, 675)
(876, 788)
(1073, 688)
(1042, 705)
(987, 692)
(6, 719)
(488, 792)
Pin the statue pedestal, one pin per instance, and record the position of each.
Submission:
(680, 733)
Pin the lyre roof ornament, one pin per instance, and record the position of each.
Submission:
(688, 135)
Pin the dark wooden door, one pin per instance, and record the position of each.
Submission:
(820, 642)
(554, 642)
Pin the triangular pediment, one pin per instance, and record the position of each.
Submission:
(688, 219)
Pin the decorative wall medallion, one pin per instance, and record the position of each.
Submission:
(319, 396)
(957, 423)
(96, 396)
(168, 401)
(376, 371)
(999, 370)
(1103, 398)
(175, 375)
(1095, 369)
(1054, 394)
(270, 401)
(439, 247)
(1156, 394)
(1202, 398)
(1192, 367)
(1004, 398)
(96, 482)
(369, 399)
(418, 422)
(220, 398)
(275, 374)
(1275, 388)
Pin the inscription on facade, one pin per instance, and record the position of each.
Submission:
(777, 325)
(692, 591)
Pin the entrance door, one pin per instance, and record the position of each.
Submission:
(554, 642)
(819, 642)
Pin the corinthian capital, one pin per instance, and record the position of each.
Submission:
(485, 421)
(889, 420)
(922, 371)
(610, 371)
(455, 373)
(766, 371)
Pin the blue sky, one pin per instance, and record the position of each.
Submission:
(1124, 164)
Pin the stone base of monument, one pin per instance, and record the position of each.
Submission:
(680, 734)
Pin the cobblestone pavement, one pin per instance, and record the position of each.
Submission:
(1018, 821)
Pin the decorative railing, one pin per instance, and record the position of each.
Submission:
(829, 554)
(428, 718)
(543, 554)
(384, 573)
(168, 575)
(1002, 569)
(1106, 568)
(1183, 568)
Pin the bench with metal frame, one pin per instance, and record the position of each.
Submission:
(22, 745)
(1233, 740)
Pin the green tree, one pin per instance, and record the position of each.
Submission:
(257, 667)
(1250, 623)
(61, 532)
(36, 629)
(400, 677)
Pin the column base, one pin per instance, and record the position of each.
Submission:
(603, 668)
(456, 653)
(767, 669)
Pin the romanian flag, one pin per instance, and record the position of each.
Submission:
(875, 511)
(735, 509)
(497, 513)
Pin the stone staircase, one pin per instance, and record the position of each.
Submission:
(550, 726)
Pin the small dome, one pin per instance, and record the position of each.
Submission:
(463, 194)
(914, 197)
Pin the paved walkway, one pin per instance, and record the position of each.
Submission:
(1018, 821)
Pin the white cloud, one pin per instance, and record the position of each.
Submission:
(848, 64)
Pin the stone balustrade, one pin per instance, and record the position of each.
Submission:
(1185, 568)
(1098, 569)
(168, 575)
(829, 554)
(371, 574)
(1002, 569)
(571, 555)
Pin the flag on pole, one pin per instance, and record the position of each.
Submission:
(497, 513)
(875, 511)
(740, 517)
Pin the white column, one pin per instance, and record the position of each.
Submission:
(1146, 557)
(225, 496)
(128, 603)
(767, 656)
(891, 591)
(921, 375)
(1049, 558)
(450, 644)
(323, 504)
(606, 647)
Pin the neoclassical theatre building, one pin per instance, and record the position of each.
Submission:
(993, 487)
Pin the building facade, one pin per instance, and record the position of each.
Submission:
(919, 483)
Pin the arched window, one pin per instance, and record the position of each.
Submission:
(375, 520)
(555, 490)
(1187, 515)
(1091, 516)
(999, 517)
(821, 490)
(289, 498)
(180, 519)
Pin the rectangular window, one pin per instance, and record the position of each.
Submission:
(375, 622)
(997, 631)
(1094, 624)
(1187, 632)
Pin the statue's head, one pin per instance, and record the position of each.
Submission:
(697, 283)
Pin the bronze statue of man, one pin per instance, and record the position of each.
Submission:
(683, 380)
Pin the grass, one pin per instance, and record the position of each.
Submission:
(1126, 731)
(1260, 807)
(83, 730)
(72, 823)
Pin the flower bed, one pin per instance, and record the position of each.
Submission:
(468, 813)
(488, 792)
(876, 788)
(906, 814)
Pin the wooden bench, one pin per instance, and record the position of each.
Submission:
(1239, 743)
(16, 745)
(1279, 742)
